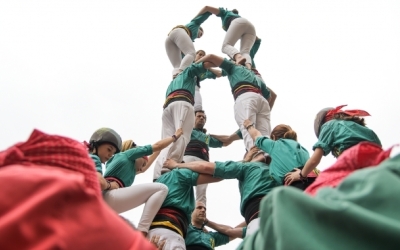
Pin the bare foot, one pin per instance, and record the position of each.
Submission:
(239, 59)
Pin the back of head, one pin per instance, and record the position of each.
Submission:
(128, 144)
(235, 11)
(106, 135)
(283, 131)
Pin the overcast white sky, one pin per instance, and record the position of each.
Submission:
(71, 67)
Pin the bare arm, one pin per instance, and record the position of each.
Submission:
(243, 224)
(160, 145)
(152, 158)
(227, 139)
(233, 233)
(206, 178)
(216, 72)
(201, 167)
(210, 9)
(213, 59)
(253, 132)
(104, 184)
(272, 98)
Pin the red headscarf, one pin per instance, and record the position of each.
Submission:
(337, 110)
(55, 151)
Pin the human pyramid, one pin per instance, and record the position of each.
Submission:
(173, 216)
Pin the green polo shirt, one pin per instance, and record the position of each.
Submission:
(238, 73)
(254, 178)
(339, 135)
(186, 80)
(225, 15)
(210, 240)
(122, 165)
(180, 184)
(286, 155)
(253, 51)
(362, 212)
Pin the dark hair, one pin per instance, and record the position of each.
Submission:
(356, 119)
(235, 11)
(284, 131)
(201, 111)
(200, 50)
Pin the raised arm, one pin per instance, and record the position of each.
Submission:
(160, 145)
(227, 139)
(210, 9)
(254, 133)
(152, 158)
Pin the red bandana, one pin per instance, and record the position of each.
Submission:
(337, 110)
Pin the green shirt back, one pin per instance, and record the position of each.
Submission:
(210, 240)
(254, 178)
(186, 80)
(238, 74)
(180, 184)
(286, 155)
(122, 165)
(194, 25)
(225, 15)
(339, 135)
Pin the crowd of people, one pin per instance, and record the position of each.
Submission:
(66, 200)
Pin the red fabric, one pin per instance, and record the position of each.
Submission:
(49, 199)
(56, 151)
(337, 110)
(362, 155)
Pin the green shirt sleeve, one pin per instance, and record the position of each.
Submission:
(239, 133)
(264, 143)
(227, 66)
(187, 176)
(97, 163)
(229, 170)
(223, 73)
(220, 239)
(215, 143)
(135, 153)
(325, 139)
(201, 18)
(264, 90)
(196, 69)
(207, 75)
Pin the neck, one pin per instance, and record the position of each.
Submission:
(197, 224)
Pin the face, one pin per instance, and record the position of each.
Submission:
(200, 33)
(199, 55)
(105, 151)
(199, 213)
(140, 164)
(200, 120)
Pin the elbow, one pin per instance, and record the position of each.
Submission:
(156, 147)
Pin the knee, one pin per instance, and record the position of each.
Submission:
(163, 188)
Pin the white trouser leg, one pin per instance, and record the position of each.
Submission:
(253, 226)
(179, 41)
(179, 114)
(173, 240)
(201, 190)
(198, 101)
(242, 29)
(124, 199)
(254, 107)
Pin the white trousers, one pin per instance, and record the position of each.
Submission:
(253, 226)
(254, 107)
(179, 114)
(200, 189)
(198, 100)
(174, 241)
(179, 41)
(127, 198)
(242, 29)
